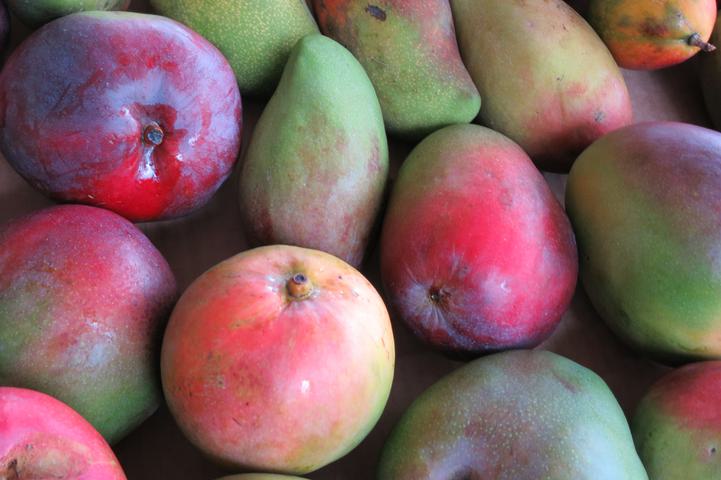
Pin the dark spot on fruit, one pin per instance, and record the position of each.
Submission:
(236, 421)
(376, 12)
(653, 29)
(712, 450)
(11, 470)
(438, 295)
(599, 116)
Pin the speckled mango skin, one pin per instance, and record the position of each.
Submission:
(710, 75)
(677, 425)
(256, 36)
(410, 52)
(519, 415)
(261, 381)
(472, 222)
(547, 81)
(83, 296)
(644, 204)
(652, 34)
(41, 438)
(317, 163)
(34, 13)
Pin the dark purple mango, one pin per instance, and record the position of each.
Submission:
(645, 204)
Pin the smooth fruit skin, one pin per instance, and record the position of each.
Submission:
(410, 52)
(317, 164)
(34, 13)
(710, 75)
(546, 79)
(644, 204)
(42, 438)
(652, 34)
(131, 112)
(477, 254)
(677, 425)
(83, 296)
(520, 415)
(263, 380)
(256, 36)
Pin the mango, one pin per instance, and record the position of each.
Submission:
(410, 52)
(644, 202)
(546, 79)
(519, 415)
(652, 34)
(317, 163)
(34, 13)
(256, 36)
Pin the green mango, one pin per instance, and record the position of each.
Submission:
(256, 36)
(410, 52)
(317, 162)
(34, 13)
(517, 415)
(710, 73)
(644, 202)
(547, 80)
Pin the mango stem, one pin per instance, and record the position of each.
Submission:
(696, 41)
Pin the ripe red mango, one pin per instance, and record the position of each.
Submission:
(279, 359)
(477, 254)
(677, 425)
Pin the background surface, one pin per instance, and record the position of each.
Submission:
(157, 450)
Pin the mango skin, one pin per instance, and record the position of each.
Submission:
(256, 36)
(710, 75)
(546, 79)
(34, 13)
(477, 255)
(263, 381)
(410, 52)
(519, 415)
(652, 34)
(644, 204)
(83, 299)
(317, 163)
(677, 425)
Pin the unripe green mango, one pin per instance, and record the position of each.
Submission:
(644, 202)
(517, 415)
(317, 162)
(547, 80)
(410, 52)
(256, 36)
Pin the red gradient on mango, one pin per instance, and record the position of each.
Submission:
(260, 380)
(79, 97)
(692, 395)
(83, 294)
(477, 254)
(42, 438)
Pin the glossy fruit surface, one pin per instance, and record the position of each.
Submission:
(477, 255)
(42, 438)
(131, 112)
(278, 359)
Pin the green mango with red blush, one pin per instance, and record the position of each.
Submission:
(518, 415)
(317, 164)
(547, 80)
(644, 203)
(677, 424)
(83, 299)
(410, 52)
